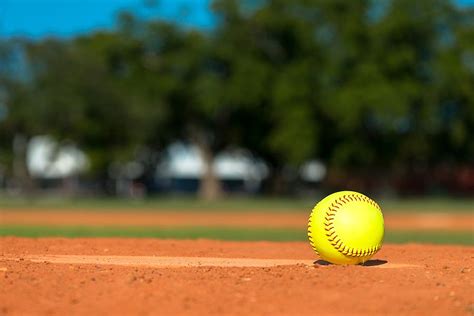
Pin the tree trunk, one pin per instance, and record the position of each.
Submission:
(210, 187)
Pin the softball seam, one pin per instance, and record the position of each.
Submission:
(330, 230)
(310, 235)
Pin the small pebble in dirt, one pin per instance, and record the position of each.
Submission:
(3, 269)
(465, 270)
(452, 293)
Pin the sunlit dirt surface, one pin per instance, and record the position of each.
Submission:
(58, 276)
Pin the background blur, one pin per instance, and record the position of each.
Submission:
(219, 98)
(230, 119)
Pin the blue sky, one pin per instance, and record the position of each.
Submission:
(65, 18)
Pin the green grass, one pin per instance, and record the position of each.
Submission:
(232, 204)
(238, 234)
(142, 232)
(431, 237)
(428, 205)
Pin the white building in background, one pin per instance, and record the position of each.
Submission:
(313, 171)
(46, 159)
(183, 166)
(180, 169)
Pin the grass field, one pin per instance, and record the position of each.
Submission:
(130, 261)
(236, 234)
(243, 205)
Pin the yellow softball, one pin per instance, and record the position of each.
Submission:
(346, 228)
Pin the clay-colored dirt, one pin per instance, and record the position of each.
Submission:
(57, 276)
(416, 221)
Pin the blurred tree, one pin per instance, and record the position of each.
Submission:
(180, 71)
(385, 88)
(453, 82)
(352, 82)
(17, 122)
(270, 64)
(364, 85)
(88, 90)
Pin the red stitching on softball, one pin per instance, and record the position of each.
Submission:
(335, 241)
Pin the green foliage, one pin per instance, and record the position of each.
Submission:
(360, 84)
(235, 233)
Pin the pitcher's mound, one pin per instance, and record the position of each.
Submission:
(120, 276)
(177, 262)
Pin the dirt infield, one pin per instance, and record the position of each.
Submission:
(57, 276)
(421, 221)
